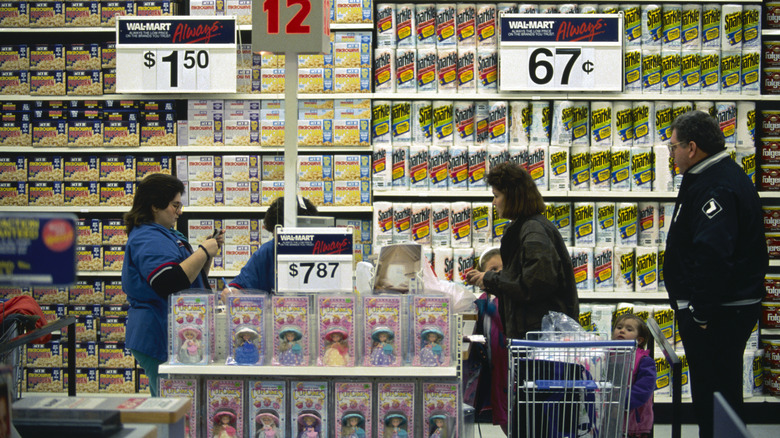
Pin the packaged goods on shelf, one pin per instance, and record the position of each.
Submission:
(47, 14)
(52, 312)
(8, 292)
(15, 82)
(51, 295)
(43, 379)
(48, 355)
(82, 14)
(14, 14)
(111, 9)
(13, 168)
(86, 292)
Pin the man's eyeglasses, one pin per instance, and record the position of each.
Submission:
(673, 146)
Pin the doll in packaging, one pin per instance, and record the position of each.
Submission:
(431, 331)
(353, 409)
(395, 410)
(184, 387)
(291, 330)
(191, 324)
(310, 409)
(382, 331)
(337, 334)
(224, 408)
(245, 328)
(267, 409)
(440, 409)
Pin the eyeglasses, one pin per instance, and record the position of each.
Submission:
(176, 205)
(673, 146)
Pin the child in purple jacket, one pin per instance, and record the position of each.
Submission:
(640, 417)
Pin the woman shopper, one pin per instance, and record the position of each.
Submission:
(537, 275)
(158, 262)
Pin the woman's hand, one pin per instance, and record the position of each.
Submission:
(475, 277)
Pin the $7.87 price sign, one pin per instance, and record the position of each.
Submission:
(314, 259)
(176, 54)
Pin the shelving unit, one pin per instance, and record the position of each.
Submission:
(319, 371)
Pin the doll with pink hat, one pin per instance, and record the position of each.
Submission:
(308, 425)
(336, 350)
(191, 348)
(267, 425)
(224, 424)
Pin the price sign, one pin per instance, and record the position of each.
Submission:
(176, 55)
(561, 52)
(37, 249)
(291, 26)
(314, 259)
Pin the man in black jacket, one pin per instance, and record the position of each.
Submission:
(716, 260)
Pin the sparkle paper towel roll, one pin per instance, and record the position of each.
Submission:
(561, 130)
(726, 113)
(481, 224)
(621, 168)
(404, 22)
(646, 268)
(648, 224)
(579, 158)
(644, 123)
(384, 69)
(651, 25)
(690, 71)
(664, 170)
(460, 224)
(421, 223)
(425, 24)
(665, 219)
(518, 155)
(459, 168)
(670, 71)
(586, 317)
(664, 316)
(706, 106)
(623, 308)
(600, 169)
(582, 262)
(605, 223)
(601, 123)
(746, 158)
(383, 223)
(623, 124)
(643, 311)
(626, 223)
(602, 269)
(443, 262)
(422, 122)
(439, 167)
(419, 176)
(642, 169)
(710, 26)
(690, 35)
(400, 167)
(672, 25)
(440, 224)
(520, 122)
(751, 27)
(385, 24)
(478, 168)
(746, 124)
(563, 220)
(559, 168)
(632, 18)
(749, 72)
(498, 122)
(466, 24)
(602, 318)
(651, 70)
(663, 121)
(538, 166)
(710, 71)
(731, 27)
(580, 123)
(584, 224)
(680, 107)
(402, 222)
(623, 269)
(663, 375)
(464, 262)
(463, 113)
(632, 70)
(540, 123)
(730, 69)
(443, 129)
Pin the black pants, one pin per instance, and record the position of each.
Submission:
(715, 358)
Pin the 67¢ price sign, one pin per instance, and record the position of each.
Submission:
(182, 54)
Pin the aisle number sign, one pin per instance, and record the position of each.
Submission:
(561, 52)
(291, 26)
(176, 54)
(38, 249)
(314, 259)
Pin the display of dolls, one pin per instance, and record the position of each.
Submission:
(430, 351)
(246, 352)
(191, 348)
(267, 425)
(438, 426)
(290, 349)
(224, 425)
(382, 349)
(308, 425)
(395, 426)
(353, 425)
(337, 350)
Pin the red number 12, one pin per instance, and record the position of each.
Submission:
(295, 26)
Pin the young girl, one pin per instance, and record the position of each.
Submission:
(640, 418)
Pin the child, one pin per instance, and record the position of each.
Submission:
(640, 417)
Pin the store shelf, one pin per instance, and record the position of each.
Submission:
(99, 29)
(179, 149)
(319, 371)
(333, 26)
(153, 96)
(769, 194)
(330, 96)
(774, 263)
(68, 209)
(770, 32)
(545, 194)
(212, 273)
(622, 295)
(756, 399)
(525, 95)
(770, 331)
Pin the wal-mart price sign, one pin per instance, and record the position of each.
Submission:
(291, 26)
(176, 55)
(561, 52)
(314, 259)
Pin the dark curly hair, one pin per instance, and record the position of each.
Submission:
(156, 190)
(275, 213)
(522, 196)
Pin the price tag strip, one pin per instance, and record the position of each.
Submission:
(561, 52)
(176, 54)
(314, 259)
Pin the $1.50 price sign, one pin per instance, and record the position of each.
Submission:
(561, 52)
(314, 259)
(176, 54)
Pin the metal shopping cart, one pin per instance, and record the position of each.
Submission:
(567, 385)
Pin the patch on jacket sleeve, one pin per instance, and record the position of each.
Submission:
(711, 208)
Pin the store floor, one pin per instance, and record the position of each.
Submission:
(487, 430)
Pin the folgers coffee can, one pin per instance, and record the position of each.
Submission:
(770, 315)
(771, 349)
(772, 285)
(772, 15)
(773, 245)
(771, 218)
(771, 81)
(771, 54)
(770, 178)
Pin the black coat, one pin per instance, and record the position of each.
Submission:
(716, 248)
(537, 276)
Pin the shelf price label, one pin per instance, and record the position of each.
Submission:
(314, 259)
(291, 26)
(561, 52)
(176, 55)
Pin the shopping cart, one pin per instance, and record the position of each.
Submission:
(566, 385)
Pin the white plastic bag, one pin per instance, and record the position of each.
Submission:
(462, 299)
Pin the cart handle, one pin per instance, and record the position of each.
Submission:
(571, 344)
